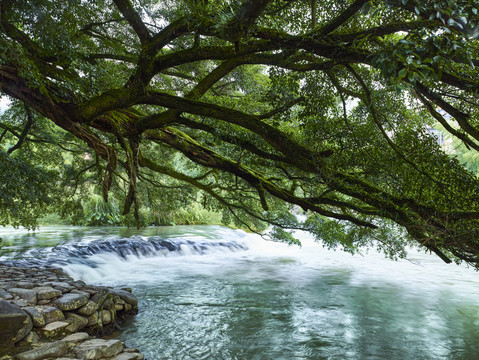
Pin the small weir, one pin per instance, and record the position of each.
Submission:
(80, 252)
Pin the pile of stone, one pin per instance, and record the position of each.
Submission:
(42, 312)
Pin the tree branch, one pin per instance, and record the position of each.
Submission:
(341, 19)
(24, 133)
(134, 19)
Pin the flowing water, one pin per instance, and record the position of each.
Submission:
(208, 292)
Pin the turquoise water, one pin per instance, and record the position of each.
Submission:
(215, 293)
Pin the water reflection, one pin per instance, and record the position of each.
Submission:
(278, 302)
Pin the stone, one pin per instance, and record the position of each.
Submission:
(19, 302)
(43, 315)
(15, 323)
(106, 317)
(88, 309)
(118, 307)
(63, 286)
(127, 296)
(55, 326)
(84, 293)
(43, 302)
(126, 356)
(52, 314)
(77, 322)
(98, 348)
(31, 339)
(79, 283)
(100, 297)
(5, 284)
(27, 294)
(76, 338)
(24, 284)
(46, 292)
(92, 290)
(120, 301)
(59, 272)
(68, 302)
(49, 350)
(56, 329)
(93, 319)
(36, 315)
(5, 295)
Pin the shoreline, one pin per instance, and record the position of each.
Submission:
(46, 314)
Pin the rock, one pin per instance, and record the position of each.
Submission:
(20, 302)
(127, 296)
(28, 295)
(25, 330)
(43, 315)
(126, 356)
(24, 284)
(68, 302)
(5, 284)
(120, 301)
(98, 348)
(76, 338)
(88, 309)
(15, 323)
(55, 326)
(79, 283)
(50, 350)
(92, 290)
(37, 316)
(46, 292)
(84, 293)
(55, 329)
(59, 272)
(5, 295)
(32, 339)
(106, 317)
(77, 322)
(52, 314)
(100, 297)
(63, 286)
(93, 319)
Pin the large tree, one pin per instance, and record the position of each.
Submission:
(261, 105)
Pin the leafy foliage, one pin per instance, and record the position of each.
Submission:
(251, 109)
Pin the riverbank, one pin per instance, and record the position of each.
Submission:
(45, 314)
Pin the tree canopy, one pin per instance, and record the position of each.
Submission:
(255, 108)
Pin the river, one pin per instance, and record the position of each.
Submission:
(209, 292)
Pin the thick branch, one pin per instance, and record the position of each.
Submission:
(460, 135)
(134, 19)
(304, 157)
(461, 118)
(208, 158)
(341, 19)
